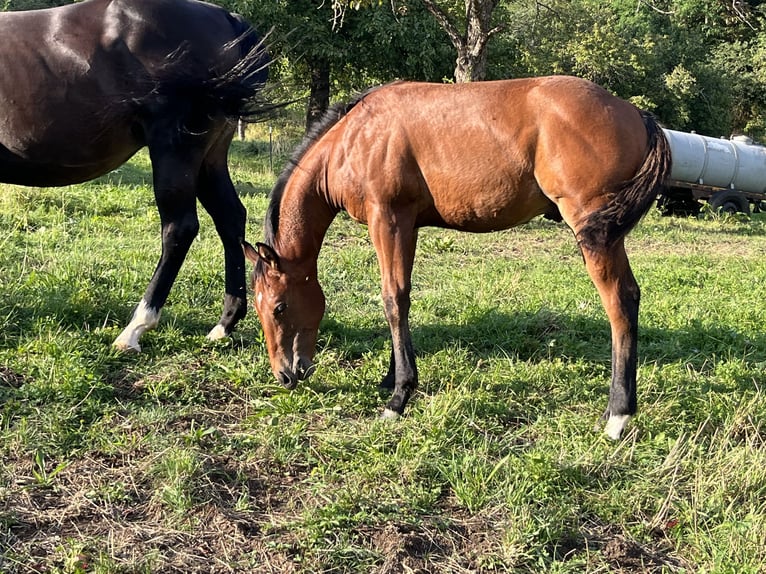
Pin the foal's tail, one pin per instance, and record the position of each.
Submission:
(634, 197)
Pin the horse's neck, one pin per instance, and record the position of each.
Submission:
(304, 217)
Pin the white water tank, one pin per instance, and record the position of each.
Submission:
(732, 164)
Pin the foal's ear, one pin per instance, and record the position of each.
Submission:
(268, 256)
(250, 253)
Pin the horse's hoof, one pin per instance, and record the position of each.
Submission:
(217, 333)
(124, 347)
(389, 415)
(615, 425)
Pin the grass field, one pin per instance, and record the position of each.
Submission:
(190, 458)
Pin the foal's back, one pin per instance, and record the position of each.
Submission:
(483, 156)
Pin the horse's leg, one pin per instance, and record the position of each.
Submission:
(610, 271)
(175, 181)
(219, 198)
(394, 237)
(388, 382)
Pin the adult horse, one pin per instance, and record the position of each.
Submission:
(473, 157)
(85, 86)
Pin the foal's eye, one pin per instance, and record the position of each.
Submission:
(279, 309)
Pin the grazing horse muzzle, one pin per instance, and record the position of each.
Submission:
(290, 377)
(290, 312)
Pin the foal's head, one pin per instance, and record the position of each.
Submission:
(290, 304)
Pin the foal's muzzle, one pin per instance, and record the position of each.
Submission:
(289, 379)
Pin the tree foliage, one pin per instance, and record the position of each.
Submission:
(14, 5)
(697, 64)
(322, 51)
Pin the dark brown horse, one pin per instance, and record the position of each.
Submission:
(474, 157)
(85, 86)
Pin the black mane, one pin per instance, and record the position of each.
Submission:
(332, 116)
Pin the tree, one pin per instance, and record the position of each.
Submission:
(469, 39)
(694, 63)
(467, 23)
(314, 48)
(744, 66)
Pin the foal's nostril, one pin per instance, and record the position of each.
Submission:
(287, 380)
(305, 372)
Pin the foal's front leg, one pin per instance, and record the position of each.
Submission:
(394, 237)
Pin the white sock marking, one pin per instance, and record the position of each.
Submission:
(144, 318)
(216, 333)
(389, 415)
(615, 426)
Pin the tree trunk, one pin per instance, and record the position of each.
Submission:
(319, 95)
(471, 45)
(472, 60)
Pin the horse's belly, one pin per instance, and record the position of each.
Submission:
(490, 209)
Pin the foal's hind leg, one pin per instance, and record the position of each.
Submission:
(220, 200)
(610, 271)
(175, 181)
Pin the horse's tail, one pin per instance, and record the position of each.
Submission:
(236, 91)
(634, 197)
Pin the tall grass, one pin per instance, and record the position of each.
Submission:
(189, 457)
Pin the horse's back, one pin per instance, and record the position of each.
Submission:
(486, 155)
(80, 83)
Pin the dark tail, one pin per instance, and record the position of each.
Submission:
(634, 197)
(238, 91)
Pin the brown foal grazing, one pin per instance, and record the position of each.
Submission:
(474, 157)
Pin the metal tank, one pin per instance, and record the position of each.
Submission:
(719, 163)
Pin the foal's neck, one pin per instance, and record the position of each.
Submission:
(304, 217)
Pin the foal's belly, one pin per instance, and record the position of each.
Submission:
(488, 209)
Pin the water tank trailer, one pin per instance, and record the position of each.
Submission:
(730, 174)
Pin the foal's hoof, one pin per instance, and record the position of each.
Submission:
(217, 333)
(615, 425)
(389, 415)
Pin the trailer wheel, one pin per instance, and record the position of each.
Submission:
(730, 202)
(678, 205)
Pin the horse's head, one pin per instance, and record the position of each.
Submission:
(290, 304)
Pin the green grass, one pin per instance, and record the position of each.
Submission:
(190, 457)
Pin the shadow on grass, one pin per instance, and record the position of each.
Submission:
(129, 173)
(546, 335)
(484, 339)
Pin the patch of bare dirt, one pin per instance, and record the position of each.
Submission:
(627, 556)
(471, 545)
(109, 506)
(10, 378)
(436, 545)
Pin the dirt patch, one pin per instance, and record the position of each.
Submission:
(625, 555)
(458, 544)
(109, 505)
(10, 378)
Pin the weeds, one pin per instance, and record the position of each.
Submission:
(190, 457)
